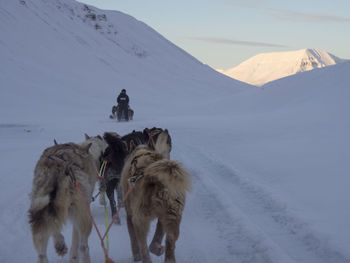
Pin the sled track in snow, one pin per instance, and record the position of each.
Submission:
(255, 226)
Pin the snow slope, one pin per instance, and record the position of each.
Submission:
(266, 67)
(268, 166)
(79, 49)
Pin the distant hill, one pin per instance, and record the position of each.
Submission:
(266, 67)
(68, 53)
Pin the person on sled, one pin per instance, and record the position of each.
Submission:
(123, 105)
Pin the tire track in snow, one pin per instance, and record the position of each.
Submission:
(254, 225)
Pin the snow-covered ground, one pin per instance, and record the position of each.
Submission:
(269, 166)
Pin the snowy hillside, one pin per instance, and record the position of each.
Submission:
(266, 67)
(81, 51)
(269, 166)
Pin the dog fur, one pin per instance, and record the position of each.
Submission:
(131, 114)
(137, 137)
(115, 155)
(54, 198)
(160, 192)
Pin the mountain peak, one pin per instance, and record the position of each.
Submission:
(266, 67)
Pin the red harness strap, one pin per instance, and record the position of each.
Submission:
(107, 259)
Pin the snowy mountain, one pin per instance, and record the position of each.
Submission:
(267, 67)
(269, 166)
(99, 52)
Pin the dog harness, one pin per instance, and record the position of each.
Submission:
(138, 172)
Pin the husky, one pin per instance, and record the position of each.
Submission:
(131, 114)
(115, 110)
(138, 137)
(115, 155)
(54, 198)
(159, 192)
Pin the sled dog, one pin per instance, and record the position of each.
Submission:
(160, 187)
(54, 198)
(115, 155)
(131, 113)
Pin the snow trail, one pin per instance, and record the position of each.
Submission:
(251, 224)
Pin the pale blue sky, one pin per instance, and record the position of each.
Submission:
(223, 33)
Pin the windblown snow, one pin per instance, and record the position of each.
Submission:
(269, 166)
(266, 67)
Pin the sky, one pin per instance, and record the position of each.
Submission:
(224, 33)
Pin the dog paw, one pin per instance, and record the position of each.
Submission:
(74, 259)
(117, 221)
(61, 248)
(156, 249)
(137, 257)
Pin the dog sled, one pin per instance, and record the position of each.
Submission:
(118, 114)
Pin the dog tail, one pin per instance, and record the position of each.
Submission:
(169, 174)
(49, 203)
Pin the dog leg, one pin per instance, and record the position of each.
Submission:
(41, 241)
(171, 237)
(156, 244)
(85, 227)
(102, 190)
(169, 250)
(60, 245)
(141, 230)
(73, 254)
(134, 245)
(119, 194)
(84, 249)
(111, 186)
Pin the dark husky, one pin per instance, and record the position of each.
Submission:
(54, 197)
(137, 137)
(160, 187)
(115, 155)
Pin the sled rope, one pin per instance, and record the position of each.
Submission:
(106, 219)
(101, 176)
(131, 187)
(107, 259)
(86, 205)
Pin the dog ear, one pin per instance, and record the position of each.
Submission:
(166, 131)
(100, 137)
(151, 144)
(55, 142)
(87, 148)
(132, 145)
(86, 136)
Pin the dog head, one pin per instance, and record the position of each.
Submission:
(98, 146)
(161, 143)
(116, 151)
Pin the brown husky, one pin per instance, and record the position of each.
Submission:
(160, 187)
(54, 197)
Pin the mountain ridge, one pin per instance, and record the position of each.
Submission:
(265, 67)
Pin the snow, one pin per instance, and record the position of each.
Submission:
(263, 68)
(269, 166)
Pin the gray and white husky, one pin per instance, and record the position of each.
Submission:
(54, 198)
